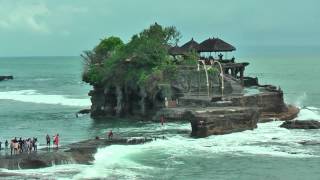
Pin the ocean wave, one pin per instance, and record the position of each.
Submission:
(133, 162)
(268, 140)
(309, 113)
(32, 96)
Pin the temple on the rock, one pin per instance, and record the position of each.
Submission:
(213, 52)
(209, 89)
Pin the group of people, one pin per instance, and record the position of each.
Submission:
(18, 146)
(22, 145)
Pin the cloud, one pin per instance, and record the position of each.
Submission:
(20, 15)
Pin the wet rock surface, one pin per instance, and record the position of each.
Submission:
(81, 152)
(297, 124)
(213, 120)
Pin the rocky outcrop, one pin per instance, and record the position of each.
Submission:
(81, 152)
(236, 119)
(270, 101)
(135, 101)
(3, 78)
(289, 113)
(297, 124)
(213, 120)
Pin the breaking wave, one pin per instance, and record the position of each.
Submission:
(32, 96)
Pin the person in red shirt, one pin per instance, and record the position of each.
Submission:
(56, 140)
(110, 134)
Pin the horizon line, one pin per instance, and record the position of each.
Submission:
(39, 56)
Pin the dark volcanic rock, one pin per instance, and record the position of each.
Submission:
(84, 111)
(289, 113)
(268, 102)
(34, 160)
(310, 124)
(213, 120)
(232, 120)
(2, 78)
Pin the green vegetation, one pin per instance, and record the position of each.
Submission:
(144, 59)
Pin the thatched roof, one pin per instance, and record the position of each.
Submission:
(215, 45)
(176, 50)
(191, 45)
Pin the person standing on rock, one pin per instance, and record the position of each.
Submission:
(110, 135)
(56, 140)
(11, 146)
(35, 144)
(6, 144)
(48, 140)
(162, 120)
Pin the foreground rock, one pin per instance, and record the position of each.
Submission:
(206, 123)
(81, 153)
(310, 124)
(214, 120)
(3, 78)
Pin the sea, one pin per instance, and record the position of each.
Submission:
(47, 92)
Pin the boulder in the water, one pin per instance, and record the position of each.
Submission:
(84, 111)
(309, 143)
(297, 124)
(3, 78)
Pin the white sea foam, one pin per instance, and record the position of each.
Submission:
(32, 96)
(267, 140)
(43, 79)
(309, 113)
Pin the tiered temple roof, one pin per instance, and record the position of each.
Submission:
(189, 46)
(215, 45)
(208, 45)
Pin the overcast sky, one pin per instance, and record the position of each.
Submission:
(67, 27)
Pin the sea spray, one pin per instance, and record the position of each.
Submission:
(309, 113)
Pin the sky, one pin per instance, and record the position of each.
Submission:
(67, 27)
